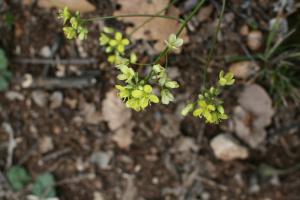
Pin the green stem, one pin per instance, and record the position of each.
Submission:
(194, 11)
(210, 54)
(133, 15)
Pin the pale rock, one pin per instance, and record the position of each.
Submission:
(255, 40)
(252, 115)
(227, 148)
(102, 159)
(45, 144)
(46, 52)
(244, 30)
(27, 81)
(98, 196)
(186, 144)
(243, 69)
(39, 98)
(56, 100)
(13, 95)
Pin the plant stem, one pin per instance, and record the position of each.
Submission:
(211, 51)
(133, 15)
(184, 23)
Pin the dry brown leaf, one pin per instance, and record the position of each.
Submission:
(73, 5)
(91, 116)
(118, 118)
(114, 111)
(157, 29)
(123, 136)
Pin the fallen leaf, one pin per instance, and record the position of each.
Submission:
(204, 13)
(118, 118)
(157, 29)
(73, 5)
(91, 116)
(114, 111)
(123, 136)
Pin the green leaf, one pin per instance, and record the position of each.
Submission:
(137, 93)
(153, 98)
(3, 83)
(83, 32)
(172, 84)
(188, 108)
(104, 39)
(3, 60)
(74, 22)
(166, 97)
(44, 186)
(18, 177)
(70, 32)
(147, 88)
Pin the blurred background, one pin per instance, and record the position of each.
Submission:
(66, 135)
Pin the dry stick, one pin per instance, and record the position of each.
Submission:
(39, 61)
(64, 83)
(209, 59)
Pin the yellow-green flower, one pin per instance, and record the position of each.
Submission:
(226, 79)
(174, 42)
(119, 42)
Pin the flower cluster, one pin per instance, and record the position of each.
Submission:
(138, 92)
(137, 96)
(165, 83)
(115, 44)
(74, 24)
(208, 105)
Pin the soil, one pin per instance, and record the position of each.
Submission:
(153, 167)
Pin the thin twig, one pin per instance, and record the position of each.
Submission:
(134, 15)
(56, 154)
